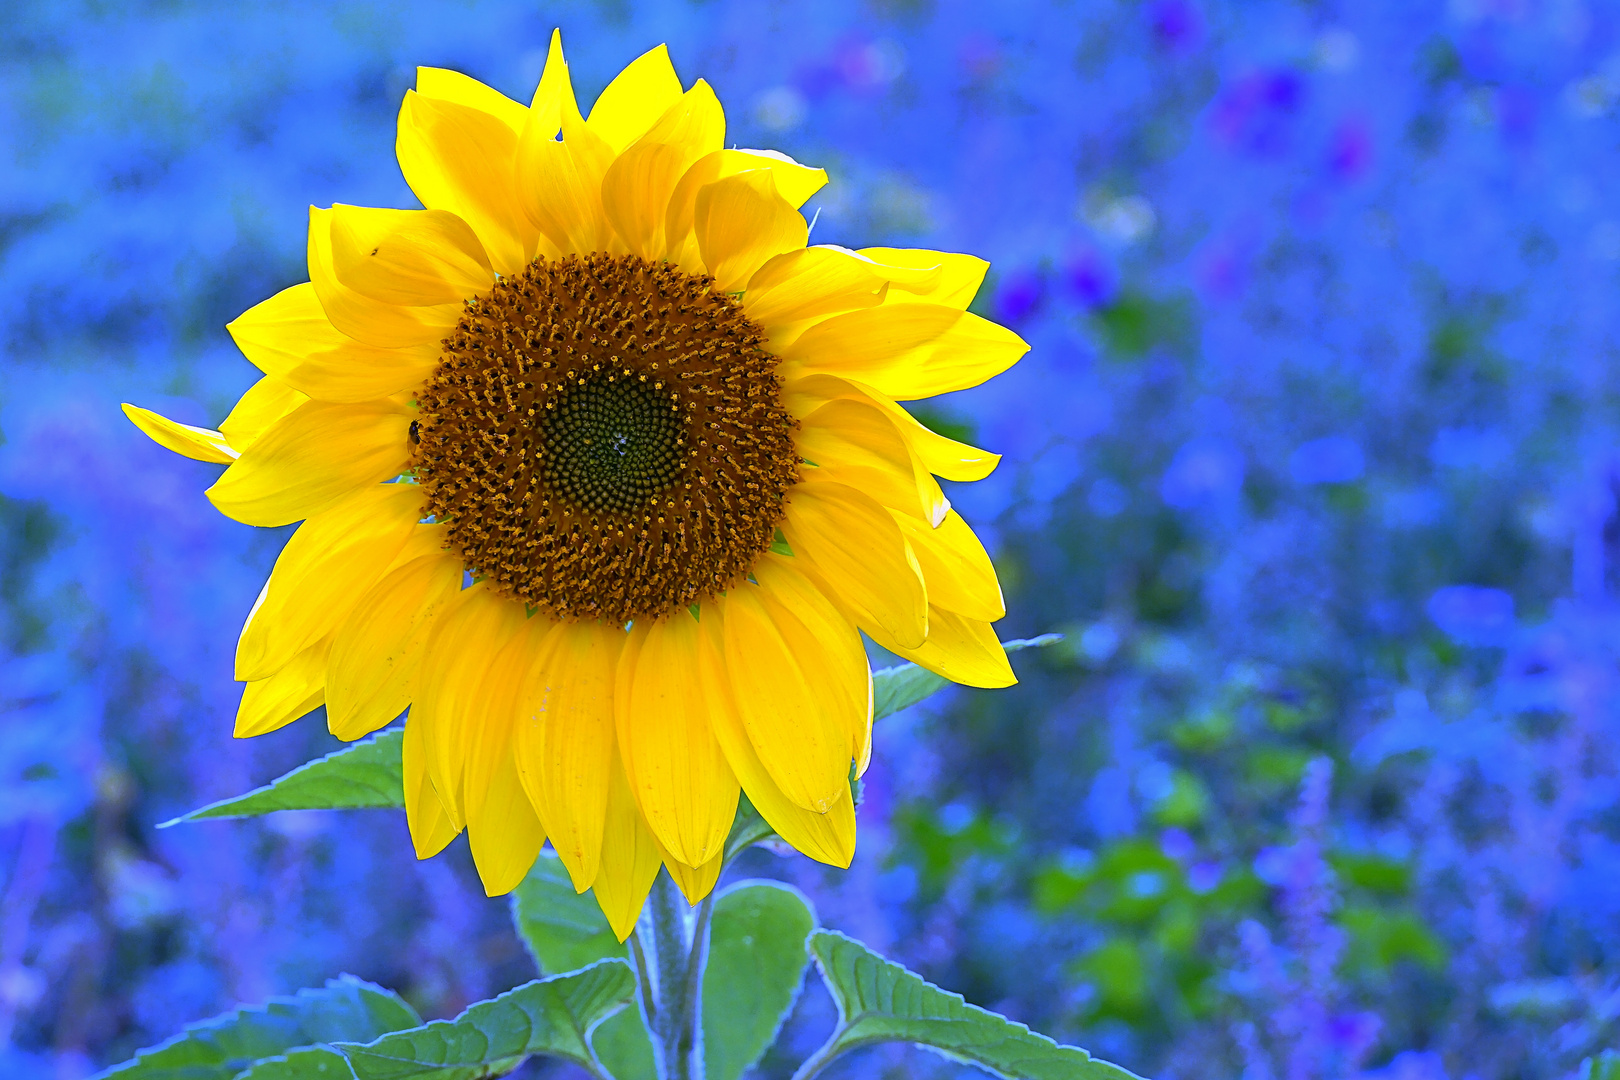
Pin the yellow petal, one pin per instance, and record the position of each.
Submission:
(855, 443)
(941, 456)
(561, 186)
(963, 650)
(790, 289)
(630, 856)
(463, 160)
(430, 823)
(906, 351)
(454, 687)
(956, 567)
(503, 830)
(847, 676)
(564, 743)
(694, 883)
(635, 99)
(327, 566)
(203, 444)
(851, 543)
(554, 94)
(313, 458)
(290, 337)
(264, 403)
(637, 186)
(363, 318)
(276, 701)
(827, 837)
(740, 222)
(955, 285)
(784, 687)
(677, 771)
(414, 258)
(794, 182)
(380, 646)
(453, 86)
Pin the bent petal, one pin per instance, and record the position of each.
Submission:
(201, 444)
(379, 647)
(441, 84)
(957, 569)
(855, 443)
(679, 775)
(906, 351)
(564, 742)
(849, 541)
(264, 403)
(740, 222)
(791, 289)
(962, 650)
(277, 700)
(630, 856)
(826, 837)
(955, 285)
(431, 826)
(941, 456)
(312, 458)
(327, 566)
(413, 258)
(362, 317)
(636, 188)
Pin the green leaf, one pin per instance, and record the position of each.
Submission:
(218, 1049)
(624, 1048)
(367, 774)
(563, 929)
(305, 1063)
(902, 686)
(755, 968)
(552, 1016)
(880, 1001)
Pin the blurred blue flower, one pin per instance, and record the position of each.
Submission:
(1472, 614)
(1334, 459)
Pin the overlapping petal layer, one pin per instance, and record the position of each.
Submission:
(628, 746)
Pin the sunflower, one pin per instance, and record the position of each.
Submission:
(601, 473)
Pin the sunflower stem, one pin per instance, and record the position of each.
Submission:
(678, 935)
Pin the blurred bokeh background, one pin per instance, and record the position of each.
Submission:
(1313, 460)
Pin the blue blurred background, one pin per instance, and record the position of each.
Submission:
(1313, 460)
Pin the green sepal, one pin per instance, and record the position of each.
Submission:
(755, 969)
(880, 1001)
(552, 1016)
(367, 774)
(346, 1008)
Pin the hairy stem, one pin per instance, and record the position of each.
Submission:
(673, 1037)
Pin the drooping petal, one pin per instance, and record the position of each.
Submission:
(635, 99)
(379, 647)
(740, 222)
(289, 337)
(202, 444)
(414, 258)
(794, 182)
(855, 443)
(963, 650)
(313, 458)
(430, 823)
(503, 830)
(452, 689)
(564, 743)
(940, 455)
(279, 699)
(630, 856)
(679, 775)
(905, 351)
(637, 186)
(694, 882)
(364, 318)
(330, 562)
(784, 687)
(955, 285)
(827, 837)
(791, 289)
(847, 676)
(851, 543)
(263, 404)
(462, 159)
(957, 569)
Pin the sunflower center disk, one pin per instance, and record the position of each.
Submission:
(605, 438)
